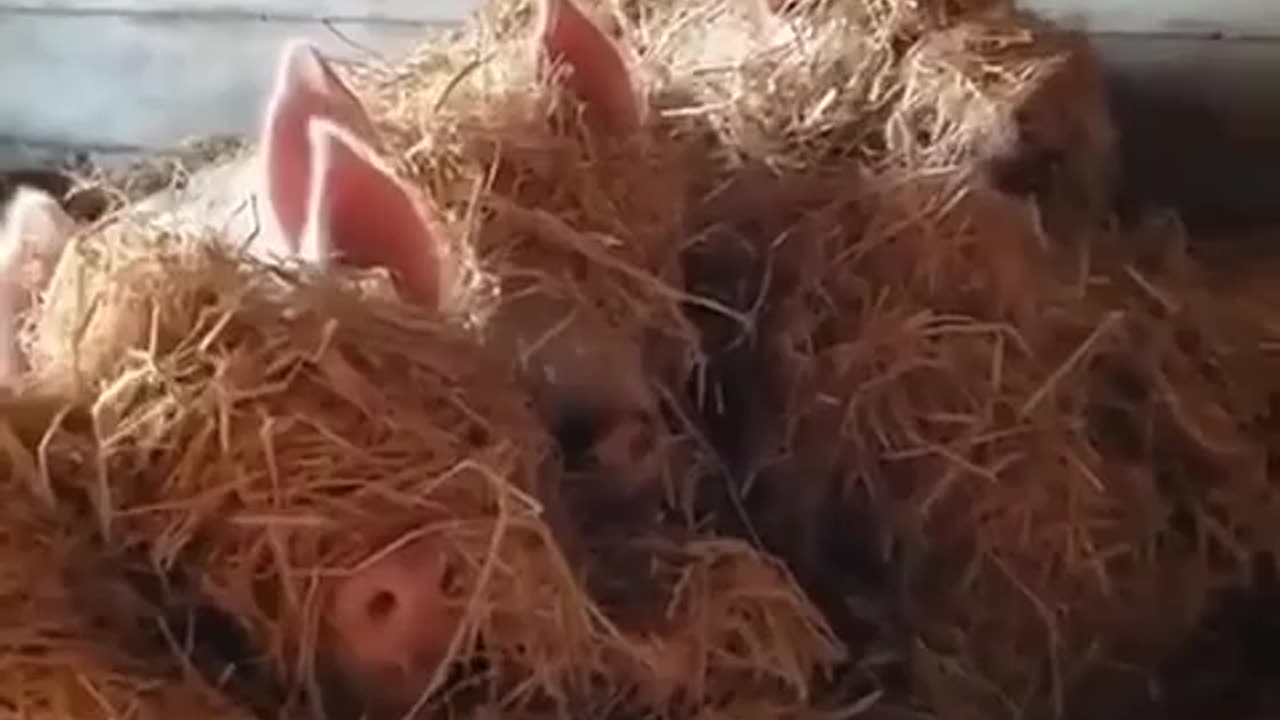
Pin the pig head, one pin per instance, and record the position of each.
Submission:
(331, 199)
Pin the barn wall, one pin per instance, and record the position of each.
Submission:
(1196, 88)
(1237, 18)
(136, 74)
(1227, 51)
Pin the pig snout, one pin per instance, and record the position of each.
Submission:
(393, 621)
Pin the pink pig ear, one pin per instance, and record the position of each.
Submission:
(598, 74)
(35, 226)
(361, 215)
(305, 88)
(33, 234)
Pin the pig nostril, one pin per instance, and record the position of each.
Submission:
(381, 605)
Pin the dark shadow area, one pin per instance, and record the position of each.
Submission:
(1199, 127)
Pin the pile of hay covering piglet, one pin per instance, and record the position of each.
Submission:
(936, 437)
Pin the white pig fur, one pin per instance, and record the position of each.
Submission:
(33, 234)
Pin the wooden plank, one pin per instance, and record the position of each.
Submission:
(1200, 124)
(156, 75)
(446, 11)
(1220, 18)
(135, 82)
(1236, 75)
(1241, 18)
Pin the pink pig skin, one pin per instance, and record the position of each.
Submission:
(260, 200)
(598, 73)
(392, 621)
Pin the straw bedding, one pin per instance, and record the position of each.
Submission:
(267, 432)
(1041, 431)
(578, 232)
(919, 414)
(61, 656)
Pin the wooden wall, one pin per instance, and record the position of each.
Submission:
(137, 74)
(1194, 79)
(1196, 88)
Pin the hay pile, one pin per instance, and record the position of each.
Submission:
(580, 232)
(847, 148)
(1056, 449)
(60, 655)
(265, 433)
(859, 249)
